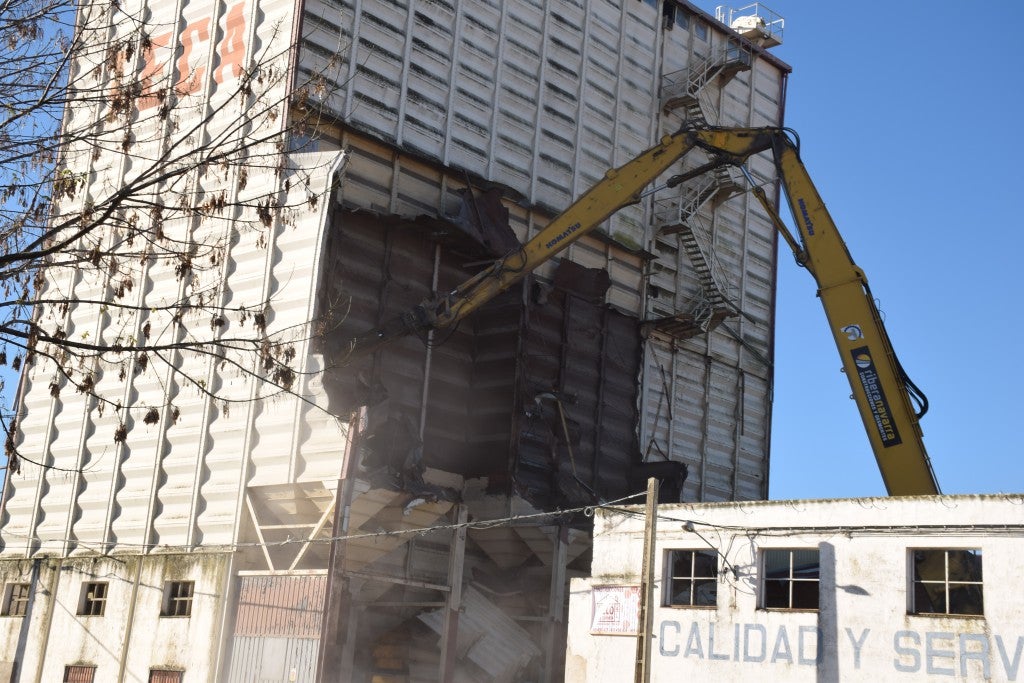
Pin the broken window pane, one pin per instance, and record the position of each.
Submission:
(790, 578)
(692, 579)
(947, 581)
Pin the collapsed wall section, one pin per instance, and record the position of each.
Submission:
(538, 103)
(536, 392)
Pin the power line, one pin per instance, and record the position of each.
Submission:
(475, 524)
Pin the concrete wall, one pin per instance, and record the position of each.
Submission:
(131, 637)
(862, 630)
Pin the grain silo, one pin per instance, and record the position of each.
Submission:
(417, 512)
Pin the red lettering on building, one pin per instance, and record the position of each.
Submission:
(232, 47)
(197, 32)
(194, 40)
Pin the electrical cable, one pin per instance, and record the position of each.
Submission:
(586, 510)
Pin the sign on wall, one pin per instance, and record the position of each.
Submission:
(615, 610)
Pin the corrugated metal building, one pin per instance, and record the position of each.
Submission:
(463, 128)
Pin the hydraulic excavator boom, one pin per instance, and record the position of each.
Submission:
(620, 187)
(880, 387)
(883, 392)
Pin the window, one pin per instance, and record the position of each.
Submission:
(668, 15)
(946, 581)
(165, 676)
(94, 599)
(682, 19)
(177, 599)
(692, 578)
(79, 674)
(700, 29)
(16, 599)
(790, 579)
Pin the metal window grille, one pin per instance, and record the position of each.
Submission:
(94, 599)
(16, 599)
(165, 676)
(79, 674)
(790, 578)
(946, 581)
(692, 578)
(178, 598)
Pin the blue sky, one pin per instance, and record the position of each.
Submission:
(908, 116)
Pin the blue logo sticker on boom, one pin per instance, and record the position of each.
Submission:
(807, 217)
(562, 235)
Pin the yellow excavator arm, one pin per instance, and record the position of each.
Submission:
(880, 387)
(620, 187)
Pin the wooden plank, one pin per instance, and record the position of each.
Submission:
(450, 629)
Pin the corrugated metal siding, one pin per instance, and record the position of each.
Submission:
(384, 181)
(587, 355)
(385, 266)
(516, 92)
(289, 606)
(177, 483)
(273, 660)
(487, 637)
(709, 413)
(706, 400)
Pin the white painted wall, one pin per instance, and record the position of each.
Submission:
(131, 633)
(863, 627)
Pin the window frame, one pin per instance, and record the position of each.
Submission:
(21, 600)
(70, 669)
(791, 580)
(682, 18)
(948, 583)
(91, 605)
(701, 30)
(164, 675)
(175, 604)
(670, 580)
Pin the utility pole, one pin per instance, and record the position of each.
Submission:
(337, 601)
(645, 619)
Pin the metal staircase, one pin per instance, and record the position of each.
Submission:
(683, 88)
(685, 92)
(712, 306)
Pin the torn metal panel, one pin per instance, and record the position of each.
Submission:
(578, 393)
(536, 393)
(484, 217)
(488, 637)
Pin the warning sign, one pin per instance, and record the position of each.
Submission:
(615, 611)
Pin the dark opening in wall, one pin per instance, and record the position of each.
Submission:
(536, 391)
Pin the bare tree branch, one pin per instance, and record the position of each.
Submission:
(127, 176)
